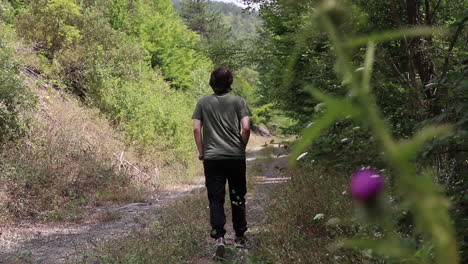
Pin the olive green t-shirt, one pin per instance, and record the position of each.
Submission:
(220, 116)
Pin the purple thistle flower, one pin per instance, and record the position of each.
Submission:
(366, 184)
(149, 202)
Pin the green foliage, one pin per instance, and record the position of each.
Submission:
(9, 9)
(215, 35)
(6, 12)
(119, 62)
(429, 208)
(113, 71)
(199, 18)
(155, 116)
(409, 81)
(50, 24)
(171, 45)
(117, 12)
(243, 24)
(245, 84)
(15, 99)
(120, 56)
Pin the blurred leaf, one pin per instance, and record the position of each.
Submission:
(311, 133)
(331, 102)
(368, 65)
(409, 148)
(337, 108)
(392, 34)
(432, 219)
(390, 248)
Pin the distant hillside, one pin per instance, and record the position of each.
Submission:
(244, 24)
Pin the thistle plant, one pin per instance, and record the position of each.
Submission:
(366, 185)
(419, 194)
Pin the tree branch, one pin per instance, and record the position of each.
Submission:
(452, 45)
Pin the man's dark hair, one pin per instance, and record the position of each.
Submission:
(221, 80)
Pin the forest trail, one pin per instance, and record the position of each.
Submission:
(55, 243)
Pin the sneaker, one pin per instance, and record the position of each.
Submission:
(219, 249)
(240, 241)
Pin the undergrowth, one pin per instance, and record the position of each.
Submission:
(305, 216)
(65, 163)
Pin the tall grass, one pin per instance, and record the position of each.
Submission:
(305, 216)
(67, 161)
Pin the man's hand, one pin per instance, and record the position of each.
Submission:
(200, 156)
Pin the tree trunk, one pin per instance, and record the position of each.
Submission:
(419, 57)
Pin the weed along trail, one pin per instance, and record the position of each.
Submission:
(109, 229)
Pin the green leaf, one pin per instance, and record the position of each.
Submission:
(390, 248)
(311, 133)
(368, 65)
(342, 105)
(392, 34)
(409, 148)
(431, 215)
(337, 108)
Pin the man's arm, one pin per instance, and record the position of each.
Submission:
(197, 125)
(245, 123)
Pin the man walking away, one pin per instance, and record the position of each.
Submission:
(222, 130)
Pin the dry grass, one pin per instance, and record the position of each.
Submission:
(176, 236)
(101, 217)
(71, 158)
(65, 162)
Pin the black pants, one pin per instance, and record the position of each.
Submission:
(216, 174)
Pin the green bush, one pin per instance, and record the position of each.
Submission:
(50, 24)
(116, 71)
(171, 44)
(154, 115)
(15, 98)
(112, 70)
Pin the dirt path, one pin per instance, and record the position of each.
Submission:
(52, 243)
(55, 243)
